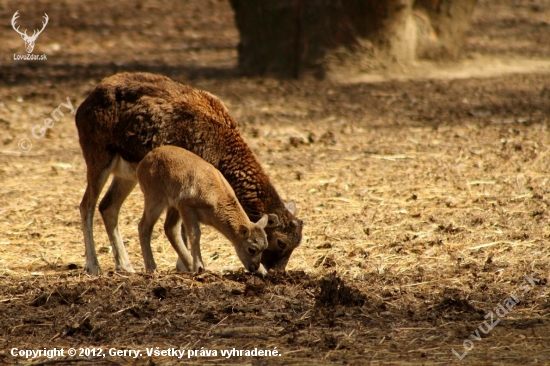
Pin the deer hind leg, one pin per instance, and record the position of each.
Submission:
(109, 207)
(176, 235)
(193, 231)
(96, 181)
(151, 213)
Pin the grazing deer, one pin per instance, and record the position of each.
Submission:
(29, 41)
(129, 114)
(172, 176)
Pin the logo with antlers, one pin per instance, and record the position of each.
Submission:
(29, 41)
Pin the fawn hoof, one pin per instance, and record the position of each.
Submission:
(93, 270)
(125, 269)
(182, 268)
(198, 267)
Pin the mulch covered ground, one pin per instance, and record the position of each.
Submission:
(425, 202)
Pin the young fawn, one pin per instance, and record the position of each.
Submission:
(129, 114)
(174, 177)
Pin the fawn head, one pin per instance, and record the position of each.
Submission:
(252, 242)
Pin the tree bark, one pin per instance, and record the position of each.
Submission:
(449, 21)
(293, 38)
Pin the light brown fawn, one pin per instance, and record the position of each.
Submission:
(174, 177)
(128, 115)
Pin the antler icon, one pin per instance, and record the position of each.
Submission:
(29, 41)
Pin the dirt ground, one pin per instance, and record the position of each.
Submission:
(425, 201)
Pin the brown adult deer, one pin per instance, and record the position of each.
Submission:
(128, 115)
(29, 41)
(174, 177)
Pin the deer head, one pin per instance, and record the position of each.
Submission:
(29, 41)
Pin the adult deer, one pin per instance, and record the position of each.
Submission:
(128, 115)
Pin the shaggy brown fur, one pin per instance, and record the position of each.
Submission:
(129, 114)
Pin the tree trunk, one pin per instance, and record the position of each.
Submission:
(292, 38)
(449, 21)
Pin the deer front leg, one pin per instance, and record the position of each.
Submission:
(173, 231)
(193, 231)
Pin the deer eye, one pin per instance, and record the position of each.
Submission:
(251, 251)
(281, 244)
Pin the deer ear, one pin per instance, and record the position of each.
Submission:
(272, 220)
(291, 207)
(262, 223)
(244, 231)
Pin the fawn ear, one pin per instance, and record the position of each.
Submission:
(244, 231)
(291, 207)
(262, 222)
(272, 220)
